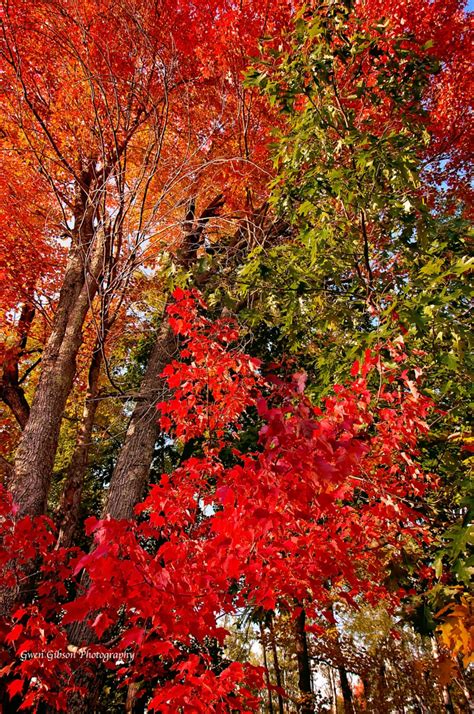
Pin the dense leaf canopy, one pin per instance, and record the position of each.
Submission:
(234, 397)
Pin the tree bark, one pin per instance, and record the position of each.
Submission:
(276, 665)
(131, 473)
(346, 690)
(263, 641)
(70, 503)
(135, 704)
(37, 449)
(132, 470)
(333, 689)
(129, 479)
(343, 678)
(304, 667)
(14, 397)
(11, 391)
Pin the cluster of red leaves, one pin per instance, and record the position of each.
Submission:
(212, 384)
(443, 29)
(324, 500)
(32, 587)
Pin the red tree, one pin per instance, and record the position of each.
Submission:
(328, 496)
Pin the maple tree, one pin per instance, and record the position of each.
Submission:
(100, 149)
(381, 225)
(201, 549)
(235, 356)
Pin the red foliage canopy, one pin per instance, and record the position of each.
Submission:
(327, 496)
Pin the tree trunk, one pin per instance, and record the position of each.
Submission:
(304, 667)
(70, 504)
(135, 704)
(346, 690)
(333, 689)
(276, 665)
(263, 640)
(37, 449)
(131, 473)
(367, 684)
(343, 678)
(11, 391)
(130, 477)
(14, 397)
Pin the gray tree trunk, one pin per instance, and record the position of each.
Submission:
(70, 504)
(131, 474)
(37, 449)
(132, 471)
